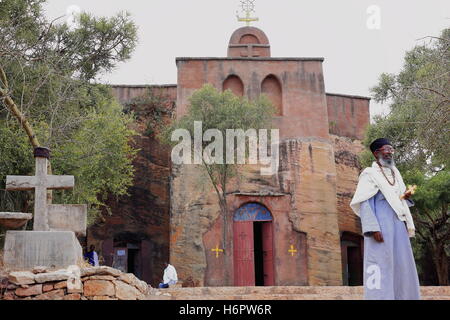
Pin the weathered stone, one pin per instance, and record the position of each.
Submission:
(21, 277)
(74, 286)
(109, 278)
(30, 291)
(40, 182)
(131, 279)
(105, 270)
(125, 291)
(141, 296)
(61, 285)
(103, 298)
(98, 288)
(73, 296)
(39, 269)
(9, 295)
(47, 287)
(68, 217)
(26, 249)
(89, 271)
(52, 276)
(52, 295)
(14, 220)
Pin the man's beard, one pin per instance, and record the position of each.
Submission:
(387, 163)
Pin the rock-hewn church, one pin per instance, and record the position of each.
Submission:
(291, 228)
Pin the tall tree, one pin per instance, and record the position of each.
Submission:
(418, 126)
(48, 73)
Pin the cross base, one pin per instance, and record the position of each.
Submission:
(53, 249)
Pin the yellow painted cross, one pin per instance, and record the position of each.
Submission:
(292, 250)
(248, 6)
(217, 250)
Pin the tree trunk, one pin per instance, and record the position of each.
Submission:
(12, 107)
(440, 260)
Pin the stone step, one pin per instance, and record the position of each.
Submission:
(282, 293)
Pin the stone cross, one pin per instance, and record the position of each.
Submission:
(41, 182)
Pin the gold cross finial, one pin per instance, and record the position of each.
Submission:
(248, 6)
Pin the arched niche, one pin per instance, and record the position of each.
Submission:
(271, 87)
(249, 39)
(252, 211)
(235, 84)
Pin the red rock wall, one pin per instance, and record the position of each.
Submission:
(348, 169)
(143, 216)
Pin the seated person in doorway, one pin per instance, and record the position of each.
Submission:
(91, 256)
(170, 276)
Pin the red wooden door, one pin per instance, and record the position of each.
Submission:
(267, 238)
(243, 252)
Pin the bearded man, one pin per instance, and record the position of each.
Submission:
(382, 202)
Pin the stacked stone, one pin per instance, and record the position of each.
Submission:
(97, 283)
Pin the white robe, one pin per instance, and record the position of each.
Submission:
(170, 275)
(371, 180)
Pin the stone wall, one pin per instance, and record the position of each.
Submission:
(97, 283)
(348, 116)
(348, 168)
(142, 217)
(306, 180)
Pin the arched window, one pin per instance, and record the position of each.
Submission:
(271, 87)
(234, 83)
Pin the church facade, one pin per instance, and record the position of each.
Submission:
(292, 228)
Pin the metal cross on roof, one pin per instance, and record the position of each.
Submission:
(248, 6)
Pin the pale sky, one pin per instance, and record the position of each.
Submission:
(355, 55)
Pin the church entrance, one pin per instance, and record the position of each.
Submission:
(253, 246)
(127, 257)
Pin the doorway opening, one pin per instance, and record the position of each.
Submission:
(258, 251)
(253, 246)
(352, 246)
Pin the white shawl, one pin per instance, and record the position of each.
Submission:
(371, 181)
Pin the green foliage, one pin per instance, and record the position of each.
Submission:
(418, 127)
(51, 70)
(221, 111)
(418, 122)
(152, 107)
